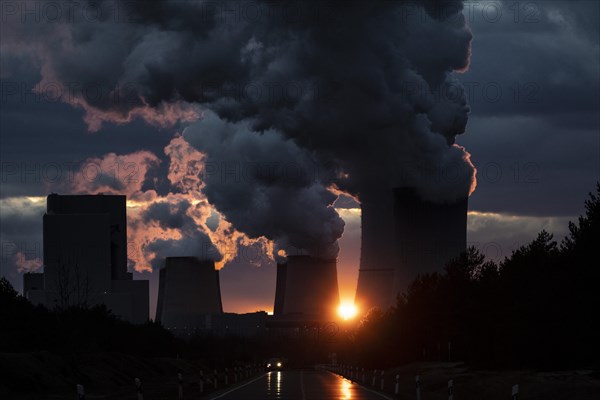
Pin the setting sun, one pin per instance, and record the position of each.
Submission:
(347, 310)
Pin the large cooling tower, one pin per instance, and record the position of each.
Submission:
(375, 289)
(428, 235)
(307, 288)
(280, 289)
(188, 290)
(402, 236)
(377, 254)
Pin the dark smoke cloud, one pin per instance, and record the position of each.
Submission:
(267, 186)
(366, 88)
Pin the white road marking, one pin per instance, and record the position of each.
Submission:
(302, 384)
(236, 388)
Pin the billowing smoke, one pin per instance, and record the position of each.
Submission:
(190, 240)
(366, 91)
(267, 186)
(178, 223)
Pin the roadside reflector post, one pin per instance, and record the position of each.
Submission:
(215, 378)
(381, 386)
(374, 376)
(515, 392)
(450, 389)
(397, 388)
(363, 376)
(180, 385)
(80, 392)
(138, 388)
(418, 387)
(226, 378)
(201, 381)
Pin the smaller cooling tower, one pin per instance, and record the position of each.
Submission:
(307, 288)
(188, 290)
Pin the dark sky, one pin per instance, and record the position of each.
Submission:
(533, 134)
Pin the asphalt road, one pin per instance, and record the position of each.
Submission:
(299, 385)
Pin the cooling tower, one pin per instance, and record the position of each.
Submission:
(402, 236)
(188, 290)
(280, 289)
(375, 289)
(377, 255)
(307, 288)
(428, 235)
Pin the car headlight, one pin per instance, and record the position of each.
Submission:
(278, 365)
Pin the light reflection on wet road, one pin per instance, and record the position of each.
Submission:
(300, 385)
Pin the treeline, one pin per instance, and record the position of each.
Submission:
(76, 330)
(25, 328)
(538, 308)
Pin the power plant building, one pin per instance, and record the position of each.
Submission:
(85, 258)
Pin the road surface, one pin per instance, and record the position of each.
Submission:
(299, 385)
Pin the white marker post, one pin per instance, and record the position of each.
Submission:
(374, 375)
(515, 392)
(381, 381)
(201, 381)
(226, 378)
(397, 388)
(180, 383)
(138, 388)
(363, 376)
(80, 392)
(450, 389)
(418, 387)
(215, 378)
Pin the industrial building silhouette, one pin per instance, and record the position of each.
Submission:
(85, 258)
(85, 264)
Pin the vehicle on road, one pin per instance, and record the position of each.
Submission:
(274, 364)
